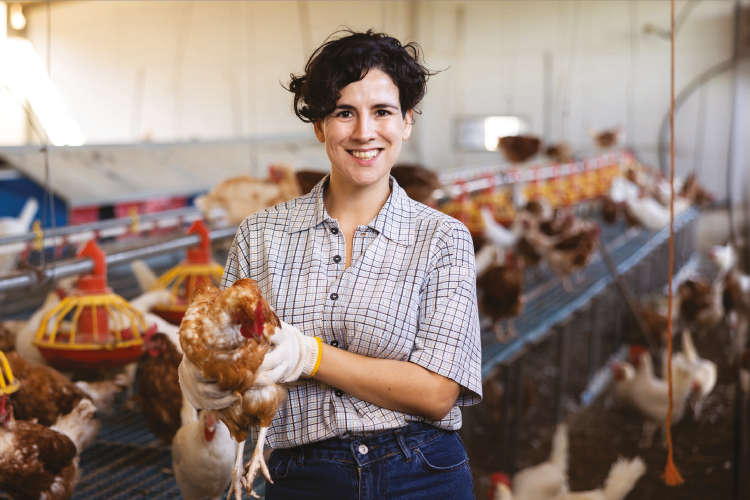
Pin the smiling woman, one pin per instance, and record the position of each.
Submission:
(380, 290)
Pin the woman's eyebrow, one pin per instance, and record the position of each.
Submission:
(382, 105)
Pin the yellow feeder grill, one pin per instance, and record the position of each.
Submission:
(8, 384)
(500, 202)
(92, 328)
(465, 211)
(185, 277)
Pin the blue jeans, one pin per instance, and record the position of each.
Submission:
(415, 462)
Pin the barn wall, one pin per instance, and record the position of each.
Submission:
(181, 71)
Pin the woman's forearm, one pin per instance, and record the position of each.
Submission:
(396, 385)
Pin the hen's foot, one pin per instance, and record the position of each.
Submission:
(235, 487)
(256, 463)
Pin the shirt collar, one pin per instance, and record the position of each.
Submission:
(395, 220)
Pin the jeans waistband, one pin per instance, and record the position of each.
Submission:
(367, 449)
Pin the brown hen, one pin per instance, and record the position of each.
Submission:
(419, 182)
(159, 392)
(501, 287)
(226, 334)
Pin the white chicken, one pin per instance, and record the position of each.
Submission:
(547, 479)
(143, 275)
(621, 479)
(649, 395)
(497, 233)
(27, 334)
(703, 370)
(203, 455)
(12, 226)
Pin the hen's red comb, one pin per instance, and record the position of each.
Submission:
(260, 320)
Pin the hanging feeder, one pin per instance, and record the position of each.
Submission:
(8, 384)
(465, 210)
(92, 328)
(184, 278)
(499, 202)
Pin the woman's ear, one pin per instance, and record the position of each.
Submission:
(319, 133)
(408, 120)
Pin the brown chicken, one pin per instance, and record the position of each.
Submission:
(656, 322)
(39, 462)
(519, 148)
(572, 253)
(607, 138)
(229, 202)
(7, 339)
(501, 288)
(308, 179)
(695, 192)
(226, 334)
(419, 182)
(610, 210)
(159, 392)
(44, 393)
(701, 303)
(559, 153)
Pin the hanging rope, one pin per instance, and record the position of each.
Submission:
(671, 476)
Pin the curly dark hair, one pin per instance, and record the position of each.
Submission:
(346, 57)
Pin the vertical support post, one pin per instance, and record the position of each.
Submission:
(562, 370)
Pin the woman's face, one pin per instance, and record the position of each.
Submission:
(363, 135)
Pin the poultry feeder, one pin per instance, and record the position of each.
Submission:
(92, 328)
(500, 203)
(465, 210)
(185, 277)
(8, 384)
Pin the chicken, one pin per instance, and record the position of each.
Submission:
(571, 254)
(701, 303)
(496, 233)
(27, 333)
(693, 191)
(736, 293)
(542, 481)
(12, 226)
(103, 393)
(559, 153)
(7, 338)
(39, 462)
(610, 210)
(203, 455)
(703, 370)
(228, 203)
(606, 139)
(159, 392)
(419, 182)
(649, 395)
(501, 286)
(308, 179)
(655, 318)
(226, 334)
(621, 480)
(519, 148)
(143, 275)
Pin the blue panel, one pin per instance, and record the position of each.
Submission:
(13, 195)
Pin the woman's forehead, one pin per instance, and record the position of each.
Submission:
(376, 88)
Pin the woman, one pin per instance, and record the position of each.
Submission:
(380, 290)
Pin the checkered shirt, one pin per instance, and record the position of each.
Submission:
(409, 294)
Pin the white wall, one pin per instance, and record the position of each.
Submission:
(179, 71)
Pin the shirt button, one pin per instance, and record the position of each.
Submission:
(335, 230)
(334, 296)
(363, 449)
(337, 258)
(339, 393)
(363, 234)
(335, 343)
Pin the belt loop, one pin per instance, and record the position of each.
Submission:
(300, 458)
(402, 444)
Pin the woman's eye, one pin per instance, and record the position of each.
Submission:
(382, 112)
(344, 114)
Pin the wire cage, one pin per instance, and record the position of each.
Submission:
(92, 328)
(197, 269)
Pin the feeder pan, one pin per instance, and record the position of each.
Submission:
(92, 328)
(8, 384)
(500, 203)
(185, 277)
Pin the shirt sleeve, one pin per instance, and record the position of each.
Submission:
(237, 261)
(448, 339)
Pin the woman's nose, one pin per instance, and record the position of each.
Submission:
(364, 131)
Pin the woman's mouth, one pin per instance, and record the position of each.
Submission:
(365, 157)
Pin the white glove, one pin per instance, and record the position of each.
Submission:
(293, 355)
(203, 394)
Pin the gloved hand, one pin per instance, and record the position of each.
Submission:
(203, 394)
(293, 355)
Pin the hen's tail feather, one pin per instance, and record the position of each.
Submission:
(143, 275)
(559, 453)
(102, 394)
(622, 478)
(77, 424)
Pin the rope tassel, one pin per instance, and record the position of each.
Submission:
(671, 475)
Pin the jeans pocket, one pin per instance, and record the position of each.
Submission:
(279, 464)
(444, 454)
